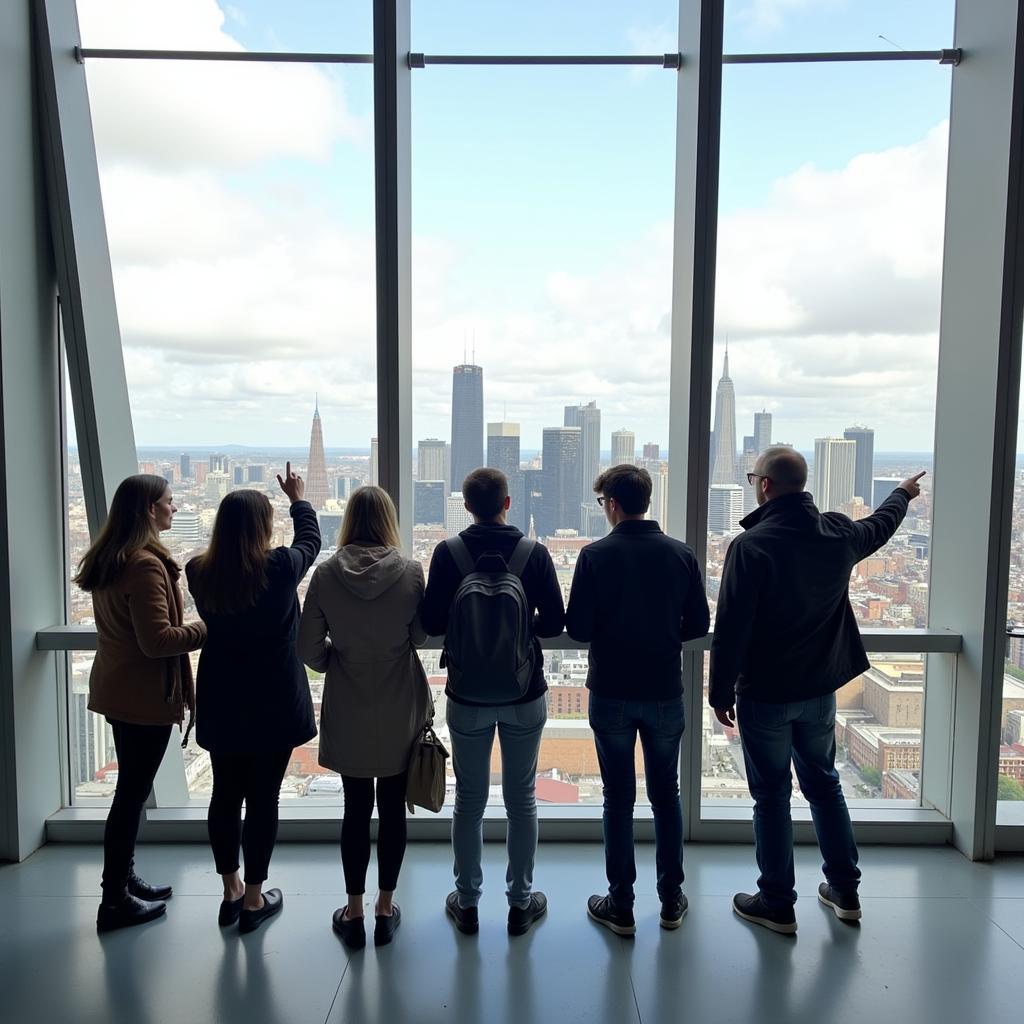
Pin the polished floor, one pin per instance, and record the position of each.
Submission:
(942, 940)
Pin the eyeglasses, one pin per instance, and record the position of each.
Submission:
(751, 477)
(601, 500)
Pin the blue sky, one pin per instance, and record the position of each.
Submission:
(542, 200)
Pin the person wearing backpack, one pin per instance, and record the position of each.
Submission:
(637, 596)
(492, 592)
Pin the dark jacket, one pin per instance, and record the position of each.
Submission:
(252, 692)
(637, 597)
(784, 630)
(539, 582)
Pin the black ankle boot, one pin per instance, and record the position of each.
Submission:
(144, 891)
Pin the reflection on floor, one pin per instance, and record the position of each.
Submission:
(942, 941)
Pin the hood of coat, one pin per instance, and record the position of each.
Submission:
(368, 572)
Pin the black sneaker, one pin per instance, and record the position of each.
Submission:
(754, 909)
(520, 919)
(845, 906)
(126, 912)
(351, 929)
(144, 891)
(673, 911)
(467, 919)
(229, 912)
(603, 911)
(250, 920)
(386, 925)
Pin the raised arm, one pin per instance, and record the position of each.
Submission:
(581, 614)
(313, 644)
(150, 614)
(877, 529)
(306, 540)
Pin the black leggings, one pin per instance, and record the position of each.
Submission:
(355, 831)
(140, 749)
(256, 779)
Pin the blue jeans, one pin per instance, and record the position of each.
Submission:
(519, 728)
(615, 724)
(803, 732)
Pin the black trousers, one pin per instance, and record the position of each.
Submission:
(355, 831)
(140, 749)
(256, 779)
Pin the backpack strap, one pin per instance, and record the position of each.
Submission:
(460, 554)
(520, 556)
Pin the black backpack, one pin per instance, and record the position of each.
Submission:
(489, 645)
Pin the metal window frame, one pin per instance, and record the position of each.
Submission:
(103, 417)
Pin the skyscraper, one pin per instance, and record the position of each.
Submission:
(863, 473)
(725, 508)
(503, 454)
(652, 452)
(256, 473)
(316, 481)
(467, 422)
(834, 466)
(882, 487)
(218, 463)
(762, 430)
(374, 461)
(432, 459)
(560, 504)
(588, 419)
(457, 517)
(659, 494)
(184, 465)
(723, 470)
(623, 447)
(429, 498)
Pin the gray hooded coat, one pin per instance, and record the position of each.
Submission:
(360, 625)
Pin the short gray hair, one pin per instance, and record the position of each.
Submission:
(785, 467)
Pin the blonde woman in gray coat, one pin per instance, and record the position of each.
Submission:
(360, 625)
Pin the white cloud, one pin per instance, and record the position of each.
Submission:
(204, 113)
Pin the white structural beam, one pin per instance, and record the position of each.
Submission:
(976, 416)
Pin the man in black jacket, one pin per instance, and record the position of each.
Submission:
(472, 724)
(785, 640)
(637, 597)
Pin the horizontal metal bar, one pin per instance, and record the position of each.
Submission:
(950, 56)
(876, 641)
(83, 53)
(666, 60)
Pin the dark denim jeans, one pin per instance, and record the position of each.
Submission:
(803, 732)
(616, 724)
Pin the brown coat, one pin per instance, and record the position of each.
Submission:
(360, 627)
(142, 674)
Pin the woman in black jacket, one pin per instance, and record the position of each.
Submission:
(252, 693)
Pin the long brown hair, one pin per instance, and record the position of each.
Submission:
(231, 573)
(128, 529)
(370, 519)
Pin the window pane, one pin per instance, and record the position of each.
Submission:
(879, 721)
(240, 211)
(770, 26)
(828, 287)
(541, 299)
(312, 26)
(537, 27)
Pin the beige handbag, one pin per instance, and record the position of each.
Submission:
(426, 785)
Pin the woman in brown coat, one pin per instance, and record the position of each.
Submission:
(360, 625)
(141, 679)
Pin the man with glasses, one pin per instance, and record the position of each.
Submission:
(637, 596)
(785, 640)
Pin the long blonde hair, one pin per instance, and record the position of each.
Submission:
(128, 529)
(231, 574)
(370, 519)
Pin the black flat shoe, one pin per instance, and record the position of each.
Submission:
(142, 890)
(250, 920)
(229, 911)
(352, 930)
(386, 926)
(126, 912)
(521, 919)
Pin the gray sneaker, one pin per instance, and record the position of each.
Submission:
(754, 909)
(673, 911)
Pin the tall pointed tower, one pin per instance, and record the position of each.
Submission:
(316, 481)
(724, 469)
